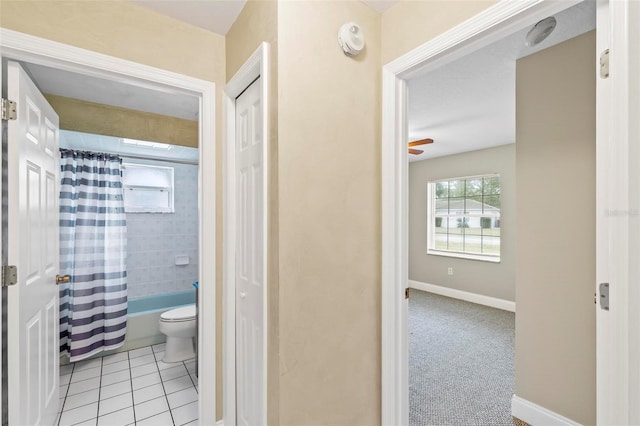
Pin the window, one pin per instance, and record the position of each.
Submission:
(148, 189)
(464, 217)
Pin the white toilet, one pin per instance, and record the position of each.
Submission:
(179, 325)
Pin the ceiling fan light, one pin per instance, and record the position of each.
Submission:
(540, 31)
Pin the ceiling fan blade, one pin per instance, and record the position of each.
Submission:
(415, 151)
(421, 142)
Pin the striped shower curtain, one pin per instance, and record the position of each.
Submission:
(93, 245)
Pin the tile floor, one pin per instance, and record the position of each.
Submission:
(129, 388)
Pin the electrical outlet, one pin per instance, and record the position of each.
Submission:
(450, 271)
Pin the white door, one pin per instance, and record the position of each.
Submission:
(249, 258)
(618, 203)
(32, 314)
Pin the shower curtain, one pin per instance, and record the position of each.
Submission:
(93, 239)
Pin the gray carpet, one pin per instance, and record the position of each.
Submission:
(460, 362)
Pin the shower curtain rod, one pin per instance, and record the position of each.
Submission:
(167, 160)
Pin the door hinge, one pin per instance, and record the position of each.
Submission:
(9, 275)
(9, 109)
(406, 293)
(604, 64)
(604, 296)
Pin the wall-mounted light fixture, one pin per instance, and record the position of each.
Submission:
(351, 38)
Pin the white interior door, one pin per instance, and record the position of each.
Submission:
(32, 314)
(249, 258)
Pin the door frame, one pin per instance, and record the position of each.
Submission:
(257, 66)
(494, 23)
(23, 47)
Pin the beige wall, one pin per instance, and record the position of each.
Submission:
(100, 119)
(486, 278)
(555, 166)
(257, 23)
(329, 174)
(408, 24)
(125, 30)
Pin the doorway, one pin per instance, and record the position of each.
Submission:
(480, 31)
(22, 47)
(463, 188)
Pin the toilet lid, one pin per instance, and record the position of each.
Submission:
(184, 313)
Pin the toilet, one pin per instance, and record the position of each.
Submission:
(179, 325)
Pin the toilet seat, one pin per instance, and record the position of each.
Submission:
(185, 313)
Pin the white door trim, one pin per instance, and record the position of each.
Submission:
(256, 66)
(490, 25)
(23, 47)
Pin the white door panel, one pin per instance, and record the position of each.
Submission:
(249, 258)
(33, 304)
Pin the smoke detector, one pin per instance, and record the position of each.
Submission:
(540, 31)
(351, 38)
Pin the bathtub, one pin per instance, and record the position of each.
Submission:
(144, 314)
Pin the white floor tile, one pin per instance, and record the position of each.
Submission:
(159, 347)
(66, 369)
(110, 359)
(78, 415)
(65, 379)
(84, 386)
(144, 381)
(174, 385)
(151, 408)
(87, 364)
(183, 397)
(118, 418)
(191, 367)
(142, 360)
(148, 393)
(172, 373)
(115, 389)
(193, 423)
(115, 367)
(140, 352)
(144, 369)
(81, 382)
(80, 399)
(112, 378)
(91, 422)
(163, 419)
(194, 379)
(88, 373)
(167, 365)
(185, 414)
(114, 404)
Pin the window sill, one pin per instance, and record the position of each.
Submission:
(492, 259)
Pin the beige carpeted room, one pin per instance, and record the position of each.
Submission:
(487, 182)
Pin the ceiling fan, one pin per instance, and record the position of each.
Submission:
(416, 143)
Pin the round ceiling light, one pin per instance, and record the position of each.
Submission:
(540, 31)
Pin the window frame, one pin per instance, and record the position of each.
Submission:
(431, 218)
(170, 189)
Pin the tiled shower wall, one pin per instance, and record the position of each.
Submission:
(155, 239)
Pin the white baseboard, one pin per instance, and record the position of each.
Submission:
(536, 415)
(493, 302)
